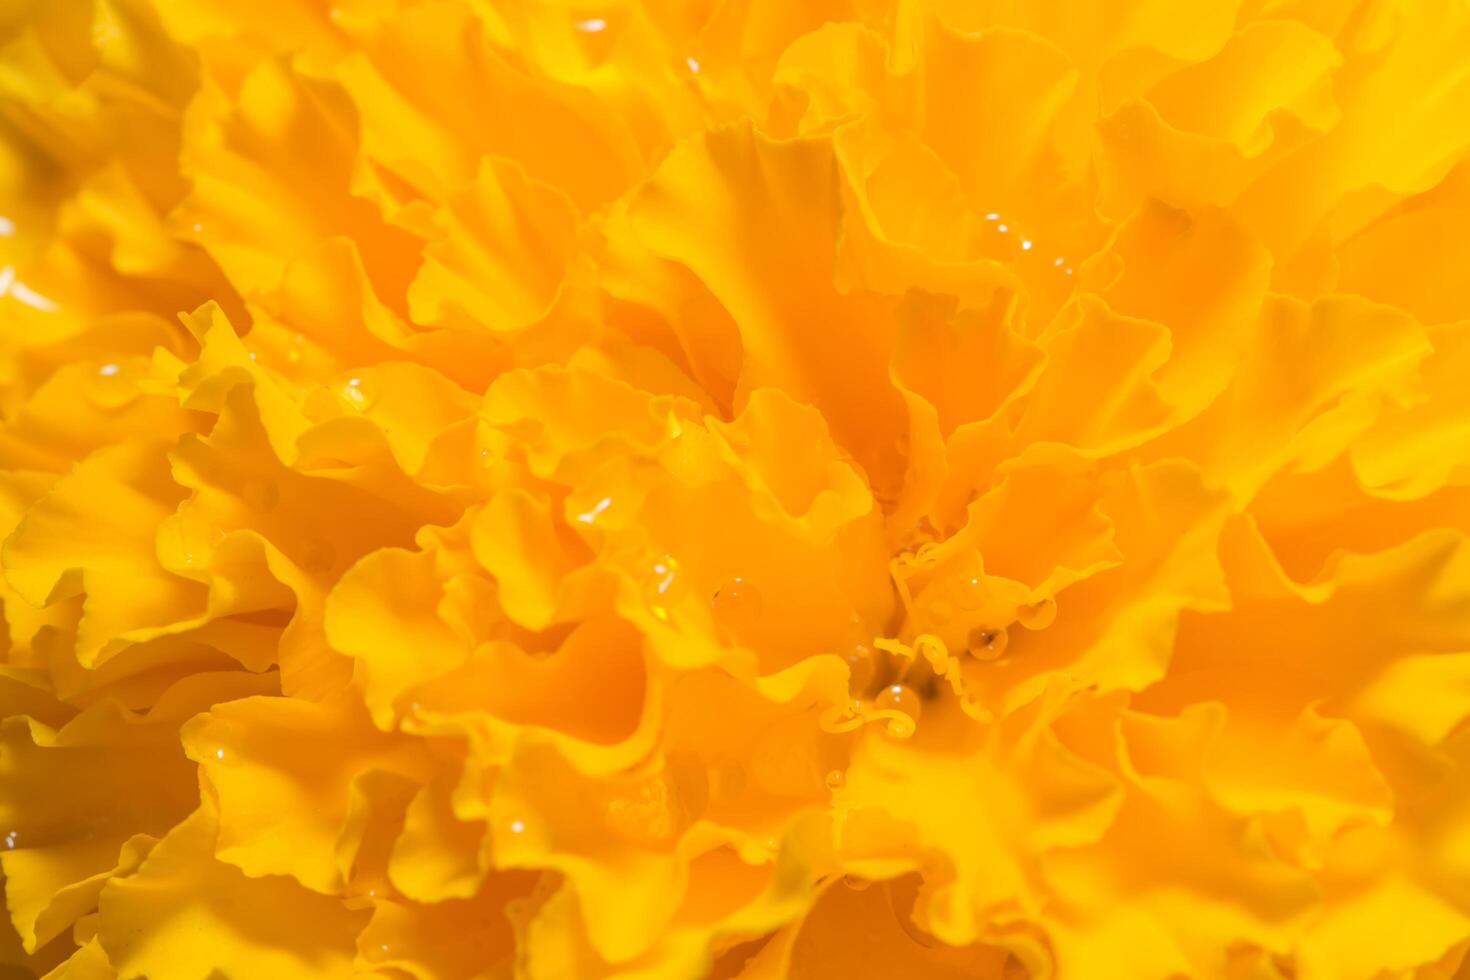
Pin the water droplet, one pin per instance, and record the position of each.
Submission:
(736, 604)
(970, 592)
(1059, 262)
(862, 667)
(855, 883)
(517, 826)
(900, 698)
(112, 386)
(693, 65)
(223, 745)
(28, 296)
(591, 25)
(1002, 228)
(7, 227)
(992, 216)
(293, 356)
(10, 839)
(1037, 615)
(986, 642)
(897, 697)
(664, 586)
(357, 394)
(263, 495)
(590, 515)
(836, 779)
(1025, 244)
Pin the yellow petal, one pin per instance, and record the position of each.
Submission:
(153, 924)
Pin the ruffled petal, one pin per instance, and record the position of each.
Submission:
(153, 923)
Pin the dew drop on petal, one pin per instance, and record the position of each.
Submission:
(855, 883)
(358, 394)
(590, 515)
(970, 592)
(223, 746)
(897, 697)
(900, 698)
(862, 667)
(986, 642)
(113, 386)
(836, 779)
(28, 296)
(517, 826)
(664, 585)
(736, 604)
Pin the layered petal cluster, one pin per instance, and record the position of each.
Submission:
(751, 489)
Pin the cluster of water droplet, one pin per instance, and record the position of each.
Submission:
(1003, 230)
(734, 606)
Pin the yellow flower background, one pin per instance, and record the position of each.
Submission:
(737, 488)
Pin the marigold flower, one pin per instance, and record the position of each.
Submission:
(767, 489)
